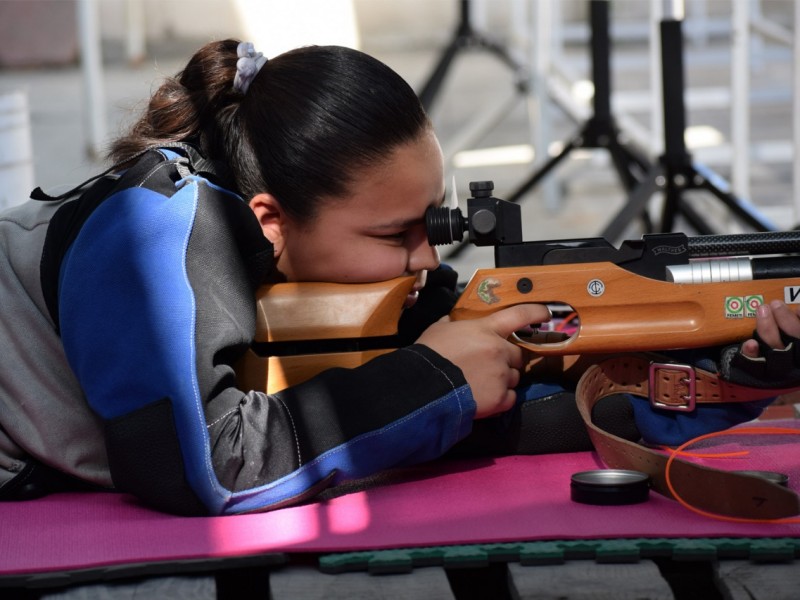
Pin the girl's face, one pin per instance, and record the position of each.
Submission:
(376, 233)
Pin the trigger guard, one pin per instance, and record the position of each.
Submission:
(542, 341)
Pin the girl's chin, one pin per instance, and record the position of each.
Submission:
(411, 300)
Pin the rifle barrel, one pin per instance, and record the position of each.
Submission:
(738, 244)
(742, 268)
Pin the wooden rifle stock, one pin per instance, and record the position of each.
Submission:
(618, 311)
(305, 328)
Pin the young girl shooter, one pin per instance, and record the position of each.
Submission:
(127, 301)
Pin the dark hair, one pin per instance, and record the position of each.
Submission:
(310, 119)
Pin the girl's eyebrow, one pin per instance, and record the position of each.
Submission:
(398, 225)
(401, 224)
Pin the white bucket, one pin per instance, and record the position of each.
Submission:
(16, 149)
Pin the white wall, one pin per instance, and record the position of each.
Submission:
(382, 23)
(302, 19)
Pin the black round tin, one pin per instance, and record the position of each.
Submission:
(610, 487)
(771, 476)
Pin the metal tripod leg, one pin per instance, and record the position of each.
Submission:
(544, 169)
(600, 130)
(676, 172)
(465, 37)
(711, 182)
(636, 204)
(597, 133)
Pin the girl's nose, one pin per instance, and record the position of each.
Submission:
(422, 256)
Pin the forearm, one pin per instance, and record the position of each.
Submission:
(403, 408)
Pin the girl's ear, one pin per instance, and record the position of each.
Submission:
(270, 215)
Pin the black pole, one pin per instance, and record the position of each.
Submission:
(601, 58)
(673, 89)
(463, 32)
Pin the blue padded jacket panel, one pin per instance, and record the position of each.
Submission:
(128, 322)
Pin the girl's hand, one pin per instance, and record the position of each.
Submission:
(490, 363)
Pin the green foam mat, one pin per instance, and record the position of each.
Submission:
(557, 552)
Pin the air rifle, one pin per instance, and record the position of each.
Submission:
(664, 291)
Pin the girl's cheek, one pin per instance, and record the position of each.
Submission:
(387, 265)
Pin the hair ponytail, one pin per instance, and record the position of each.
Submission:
(309, 120)
(189, 107)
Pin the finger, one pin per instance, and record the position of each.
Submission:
(786, 318)
(508, 401)
(528, 356)
(507, 321)
(516, 356)
(750, 349)
(767, 327)
(513, 378)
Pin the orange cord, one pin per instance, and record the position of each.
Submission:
(566, 321)
(677, 451)
(743, 431)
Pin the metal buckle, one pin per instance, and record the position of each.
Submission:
(690, 381)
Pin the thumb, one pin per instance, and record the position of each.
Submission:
(750, 348)
(507, 321)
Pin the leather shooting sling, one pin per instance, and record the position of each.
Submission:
(680, 387)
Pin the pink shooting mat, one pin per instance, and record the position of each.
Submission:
(510, 499)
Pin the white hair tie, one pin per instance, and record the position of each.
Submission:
(247, 67)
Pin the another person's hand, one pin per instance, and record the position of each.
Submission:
(771, 320)
(491, 364)
(771, 359)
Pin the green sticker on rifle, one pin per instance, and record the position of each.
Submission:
(739, 307)
(751, 304)
(734, 307)
(486, 290)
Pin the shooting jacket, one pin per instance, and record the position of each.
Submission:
(125, 307)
